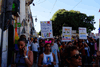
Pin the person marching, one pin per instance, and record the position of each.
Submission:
(47, 59)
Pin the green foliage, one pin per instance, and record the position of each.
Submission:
(72, 19)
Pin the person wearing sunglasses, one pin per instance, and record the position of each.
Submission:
(72, 56)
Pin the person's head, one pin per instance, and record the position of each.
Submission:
(23, 36)
(21, 43)
(52, 40)
(91, 39)
(40, 40)
(35, 40)
(41, 44)
(47, 47)
(72, 56)
(58, 41)
(28, 38)
(75, 42)
(69, 43)
(95, 40)
(80, 40)
(63, 43)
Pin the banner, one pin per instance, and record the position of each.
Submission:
(46, 29)
(66, 33)
(82, 33)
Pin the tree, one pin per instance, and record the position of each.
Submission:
(39, 33)
(72, 19)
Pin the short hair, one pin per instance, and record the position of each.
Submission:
(68, 50)
(69, 42)
(34, 39)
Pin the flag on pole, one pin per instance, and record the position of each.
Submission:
(99, 10)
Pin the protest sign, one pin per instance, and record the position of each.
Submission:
(66, 33)
(73, 32)
(82, 33)
(46, 29)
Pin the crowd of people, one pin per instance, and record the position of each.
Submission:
(53, 52)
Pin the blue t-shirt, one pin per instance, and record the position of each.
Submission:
(55, 50)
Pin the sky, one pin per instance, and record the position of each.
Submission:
(45, 9)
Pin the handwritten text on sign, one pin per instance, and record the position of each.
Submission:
(66, 33)
(46, 29)
(82, 33)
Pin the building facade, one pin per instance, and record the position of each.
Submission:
(26, 19)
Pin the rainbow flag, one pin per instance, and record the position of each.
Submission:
(16, 36)
(72, 39)
(16, 39)
(60, 47)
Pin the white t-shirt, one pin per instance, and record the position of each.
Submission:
(28, 45)
(35, 47)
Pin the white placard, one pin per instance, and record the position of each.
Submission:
(46, 29)
(82, 33)
(73, 31)
(66, 33)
